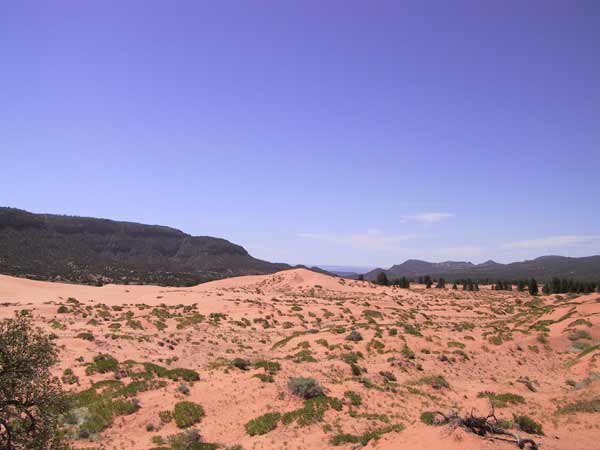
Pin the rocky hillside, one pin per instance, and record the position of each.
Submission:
(89, 250)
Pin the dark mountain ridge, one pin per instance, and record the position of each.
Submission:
(543, 268)
(90, 250)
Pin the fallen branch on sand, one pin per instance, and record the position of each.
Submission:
(483, 426)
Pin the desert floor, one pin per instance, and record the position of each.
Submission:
(542, 349)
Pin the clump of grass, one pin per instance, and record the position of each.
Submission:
(312, 411)
(411, 329)
(57, 325)
(354, 336)
(502, 400)
(262, 424)
(435, 381)
(68, 377)
(303, 356)
(240, 363)
(165, 416)
(388, 376)
(579, 334)
(188, 440)
(456, 344)
(371, 315)
(306, 388)
(102, 363)
(581, 406)
(428, 418)
(496, 340)
(528, 425)
(271, 367)
(265, 378)
(363, 439)
(187, 414)
(85, 335)
(97, 408)
(354, 398)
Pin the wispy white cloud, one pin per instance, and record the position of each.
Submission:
(371, 240)
(552, 242)
(427, 218)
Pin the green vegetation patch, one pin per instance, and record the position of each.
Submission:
(363, 439)
(187, 414)
(502, 400)
(528, 425)
(263, 424)
(581, 406)
(312, 411)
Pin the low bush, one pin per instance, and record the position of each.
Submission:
(262, 424)
(187, 414)
(528, 425)
(305, 387)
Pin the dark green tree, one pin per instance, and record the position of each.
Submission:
(427, 281)
(405, 283)
(533, 287)
(547, 290)
(31, 399)
(382, 279)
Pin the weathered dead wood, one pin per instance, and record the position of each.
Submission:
(483, 426)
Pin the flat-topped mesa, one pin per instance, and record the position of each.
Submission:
(90, 250)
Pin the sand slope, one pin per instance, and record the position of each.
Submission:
(477, 341)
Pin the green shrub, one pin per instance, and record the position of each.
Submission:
(354, 336)
(269, 366)
(86, 335)
(264, 377)
(263, 424)
(187, 414)
(528, 425)
(579, 334)
(183, 374)
(68, 377)
(165, 416)
(354, 398)
(435, 381)
(242, 364)
(102, 363)
(305, 387)
(581, 406)
(427, 417)
(388, 376)
(502, 400)
(363, 439)
(312, 411)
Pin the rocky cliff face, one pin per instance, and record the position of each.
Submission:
(89, 250)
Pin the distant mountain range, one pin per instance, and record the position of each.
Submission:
(89, 250)
(344, 271)
(545, 267)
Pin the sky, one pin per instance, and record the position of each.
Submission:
(315, 132)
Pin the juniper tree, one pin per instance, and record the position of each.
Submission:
(31, 399)
(427, 281)
(382, 279)
(546, 290)
(533, 287)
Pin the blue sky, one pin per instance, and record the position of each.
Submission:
(338, 132)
